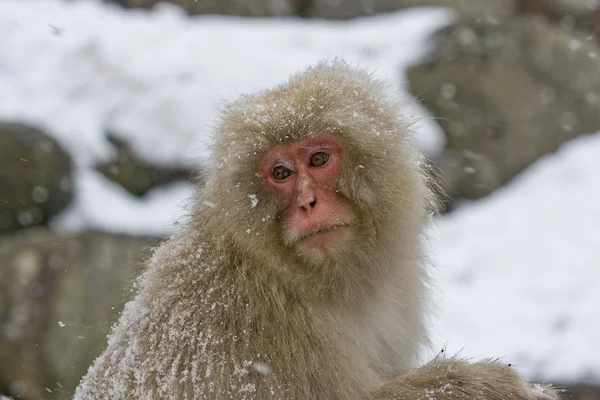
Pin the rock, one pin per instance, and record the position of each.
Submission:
(505, 94)
(345, 9)
(581, 391)
(576, 8)
(135, 174)
(249, 8)
(35, 177)
(58, 296)
(580, 14)
(330, 9)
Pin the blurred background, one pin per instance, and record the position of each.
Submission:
(106, 111)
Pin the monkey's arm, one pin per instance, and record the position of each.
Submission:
(452, 379)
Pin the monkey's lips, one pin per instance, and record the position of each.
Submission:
(323, 236)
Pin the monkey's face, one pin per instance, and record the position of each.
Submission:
(304, 175)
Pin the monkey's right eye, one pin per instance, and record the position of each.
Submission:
(281, 173)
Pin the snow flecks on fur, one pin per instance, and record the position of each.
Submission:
(430, 394)
(201, 325)
(163, 346)
(253, 200)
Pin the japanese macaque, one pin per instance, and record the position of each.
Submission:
(300, 274)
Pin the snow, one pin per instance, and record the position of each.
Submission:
(519, 273)
(158, 79)
(520, 270)
(105, 205)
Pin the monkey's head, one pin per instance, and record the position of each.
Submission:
(317, 175)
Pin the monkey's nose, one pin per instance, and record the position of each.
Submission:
(308, 203)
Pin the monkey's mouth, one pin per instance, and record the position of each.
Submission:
(323, 230)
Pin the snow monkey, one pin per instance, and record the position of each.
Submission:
(299, 275)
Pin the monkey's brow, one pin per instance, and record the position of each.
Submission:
(317, 145)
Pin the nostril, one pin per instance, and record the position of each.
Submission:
(307, 204)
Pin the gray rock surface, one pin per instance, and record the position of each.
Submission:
(505, 94)
(583, 15)
(328, 9)
(35, 177)
(345, 9)
(59, 295)
(136, 175)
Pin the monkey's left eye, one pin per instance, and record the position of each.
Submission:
(319, 159)
(281, 173)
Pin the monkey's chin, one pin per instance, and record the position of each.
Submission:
(323, 240)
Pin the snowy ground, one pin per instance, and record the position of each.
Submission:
(519, 271)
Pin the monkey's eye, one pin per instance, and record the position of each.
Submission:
(319, 159)
(281, 173)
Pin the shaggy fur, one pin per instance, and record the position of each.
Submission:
(227, 310)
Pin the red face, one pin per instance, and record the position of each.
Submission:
(304, 174)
